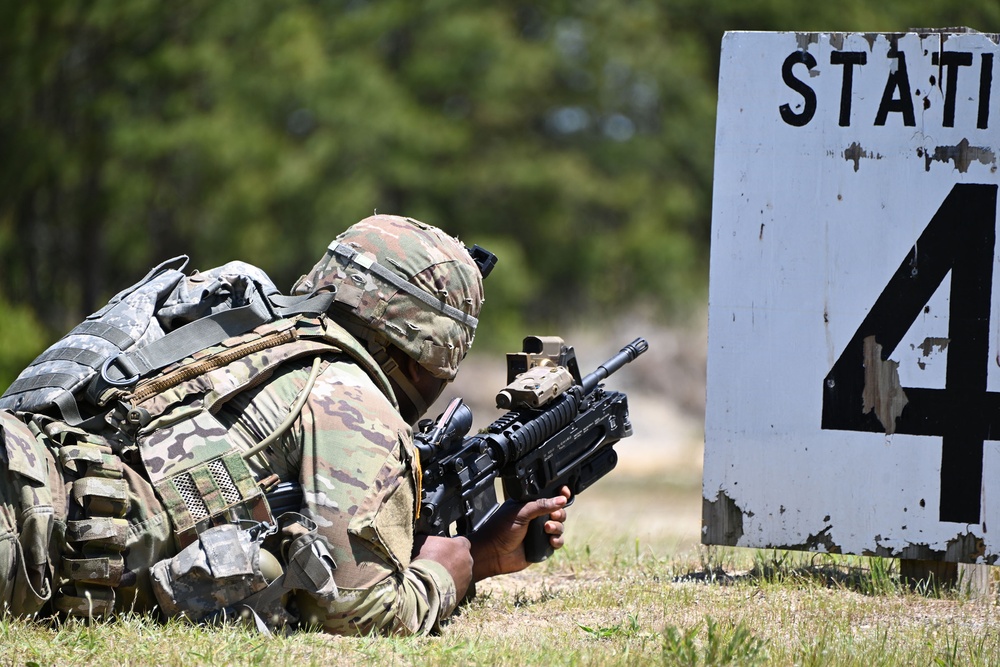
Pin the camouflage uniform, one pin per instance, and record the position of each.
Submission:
(73, 518)
(353, 455)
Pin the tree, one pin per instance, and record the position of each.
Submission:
(573, 137)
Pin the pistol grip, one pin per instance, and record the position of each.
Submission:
(536, 542)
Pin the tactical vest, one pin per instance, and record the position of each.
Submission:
(201, 479)
(154, 399)
(76, 558)
(204, 482)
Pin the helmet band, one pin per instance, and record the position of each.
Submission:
(346, 255)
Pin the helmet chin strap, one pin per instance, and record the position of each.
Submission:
(396, 374)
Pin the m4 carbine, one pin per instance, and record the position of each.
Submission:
(560, 430)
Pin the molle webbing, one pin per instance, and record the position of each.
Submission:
(222, 490)
(54, 380)
(96, 532)
(197, 336)
(157, 384)
(164, 318)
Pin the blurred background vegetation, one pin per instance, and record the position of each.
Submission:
(573, 138)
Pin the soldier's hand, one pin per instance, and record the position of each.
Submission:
(498, 548)
(453, 553)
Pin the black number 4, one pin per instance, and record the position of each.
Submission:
(862, 392)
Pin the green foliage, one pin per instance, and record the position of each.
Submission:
(575, 136)
(881, 579)
(21, 339)
(137, 130)
(630, 628)
(733, 645)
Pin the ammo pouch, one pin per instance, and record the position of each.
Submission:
(210, 493)
(219, 574)
(217, 570)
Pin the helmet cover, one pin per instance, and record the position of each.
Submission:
(402, 282)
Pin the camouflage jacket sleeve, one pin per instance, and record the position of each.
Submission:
(352, 453)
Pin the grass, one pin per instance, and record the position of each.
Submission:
(635, 597)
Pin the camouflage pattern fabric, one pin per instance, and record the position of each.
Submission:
(161, 302)
(349, 449)
(78, 529)
(28, 515)
(353, 455)
(219, 570)
(422, 255)
(128, 319)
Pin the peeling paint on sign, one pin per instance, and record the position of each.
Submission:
(805, 39)
(963, 548)
(883, 392)
(931, 345)
(821, 541)
(722, 521)
(928, 347)
(963, 154)
(855, 152)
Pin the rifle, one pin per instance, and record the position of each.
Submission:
(560, 431)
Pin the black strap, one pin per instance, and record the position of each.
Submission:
(61, 383)
(127, 368)
(185, 341)
(68, 408)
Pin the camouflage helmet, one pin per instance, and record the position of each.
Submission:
(402, 282)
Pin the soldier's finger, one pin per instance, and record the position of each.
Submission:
(541, 507)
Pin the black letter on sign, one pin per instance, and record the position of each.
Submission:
(849, 59)
(897, 80)
(951, 61)
(959, 239)
(808, 94)
(985, 82)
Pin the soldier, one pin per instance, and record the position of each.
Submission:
(163, 505)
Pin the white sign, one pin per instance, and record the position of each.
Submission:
(854, 332)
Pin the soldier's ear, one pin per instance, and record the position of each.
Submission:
(429, 386)
(414, 371)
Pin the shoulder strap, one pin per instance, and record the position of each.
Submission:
(286, 306)
(126, 368)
